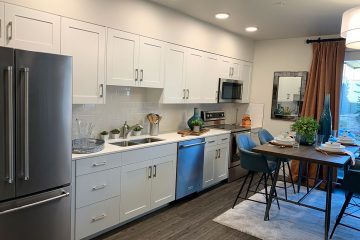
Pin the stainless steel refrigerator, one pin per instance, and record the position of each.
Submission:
(35, 145)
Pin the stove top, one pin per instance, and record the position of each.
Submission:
(232, 127)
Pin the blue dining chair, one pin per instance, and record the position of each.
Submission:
(254, 163)
(351, 187)
(264, 138)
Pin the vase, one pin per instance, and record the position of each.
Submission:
(137, 133)
(196, 116)
(325, 120)
(196, 129)
(104, 137)
(303, 141)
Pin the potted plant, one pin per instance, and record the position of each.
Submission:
(197, 125)
(305, 128)
(137, 129)
(104, 135)
(115, 133)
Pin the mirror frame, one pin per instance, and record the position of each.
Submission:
(277, 75)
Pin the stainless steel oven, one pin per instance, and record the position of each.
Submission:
(230, 90)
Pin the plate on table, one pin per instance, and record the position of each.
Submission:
(284, 141)
(339, 149)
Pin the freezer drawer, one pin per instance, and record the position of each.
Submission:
(42, 217)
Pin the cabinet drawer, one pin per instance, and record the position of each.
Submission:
(211, 141)
(95, 164)
(95, 187)
(148, 153)
(225, 138)
(97, 217)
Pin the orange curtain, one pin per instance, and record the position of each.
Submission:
(324, 78)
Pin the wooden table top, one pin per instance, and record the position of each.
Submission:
(306, 153)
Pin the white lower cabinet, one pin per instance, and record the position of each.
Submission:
(216, 160)
(148, 184)
(96, 217)
(135, 190)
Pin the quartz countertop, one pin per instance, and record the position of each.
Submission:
(171, 137)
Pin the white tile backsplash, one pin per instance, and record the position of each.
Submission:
(133, 104)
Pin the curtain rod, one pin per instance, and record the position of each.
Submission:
(319, 40)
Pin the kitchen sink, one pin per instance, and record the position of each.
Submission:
(124, 143)
(145, 140)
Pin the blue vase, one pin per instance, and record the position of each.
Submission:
(196, 116)
(326, 120)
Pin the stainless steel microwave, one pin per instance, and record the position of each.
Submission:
(230, 90)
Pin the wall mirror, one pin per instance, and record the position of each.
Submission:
(288, 95)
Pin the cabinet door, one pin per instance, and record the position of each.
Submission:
(235, 69)
(32, 30)
(194, 76)
(245, 76)
(151, 63)
(2, 24)
(225, 67)
(122, 58)
(174, 84)
(85, 42)
(209, 166)
(222, 162)
(211, 78)
(163, 181)
(135, 189)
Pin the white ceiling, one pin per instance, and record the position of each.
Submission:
(274, 18)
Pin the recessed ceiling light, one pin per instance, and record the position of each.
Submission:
(251, 29)
(222, 15)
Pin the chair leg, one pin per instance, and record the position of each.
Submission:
(299, 176)
(338, 219)
(284, 178)
(241, 188)
(277, 200)
(291, 179)
(266, 188)
(307, 177)
(251, 179)
(257, 186)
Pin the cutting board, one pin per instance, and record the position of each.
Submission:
(188, 132)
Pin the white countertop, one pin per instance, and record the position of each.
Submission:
(171, 137)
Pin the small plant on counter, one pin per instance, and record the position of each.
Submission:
(115, 133)
(306, 128)
(197, 125)
(104, 135)
(137, 129)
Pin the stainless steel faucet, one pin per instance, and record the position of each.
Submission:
(125, 130)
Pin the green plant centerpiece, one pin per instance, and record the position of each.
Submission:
(103, 133)
(136, 129)
(197, 124)
(306, 128)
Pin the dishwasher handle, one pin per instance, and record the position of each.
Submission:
(192, 145)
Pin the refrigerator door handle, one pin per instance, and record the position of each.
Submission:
(26, 123)
(62, 195)
(10, 176)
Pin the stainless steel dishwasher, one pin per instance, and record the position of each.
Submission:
(190, 167)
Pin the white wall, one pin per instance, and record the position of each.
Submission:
(149, 19)
(276, 55)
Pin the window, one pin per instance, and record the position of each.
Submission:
(350, 99)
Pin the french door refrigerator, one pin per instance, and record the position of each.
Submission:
(35, 145)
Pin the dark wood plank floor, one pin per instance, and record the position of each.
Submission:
(187, 219)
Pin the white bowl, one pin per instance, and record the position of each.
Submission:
(332, 149)
(332, 145)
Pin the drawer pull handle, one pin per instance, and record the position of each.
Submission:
(98, 187)
(211, 141)
(99, 164)
(98, 218)
(224, 139)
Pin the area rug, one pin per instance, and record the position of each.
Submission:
(291, 221)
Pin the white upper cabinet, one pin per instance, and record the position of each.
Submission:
(194, 76)
(211, 78)
(235, 69)
(2, 24)
(245, 76)
(85, 42)
(122, 58)
(31, 29)
(151, 63)
(225, 67)
(174, 84)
